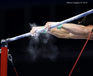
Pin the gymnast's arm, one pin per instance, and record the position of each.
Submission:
(71, 31)
(77, 29)
(66, 35)
(68, 31)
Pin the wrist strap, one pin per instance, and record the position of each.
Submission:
(59, 27)
(45, 31)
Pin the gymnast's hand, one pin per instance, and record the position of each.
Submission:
(34, 29)
(47, 26)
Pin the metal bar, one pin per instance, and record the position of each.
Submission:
(18, 37)
(52, 26)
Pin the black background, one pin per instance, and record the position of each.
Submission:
(15, 17)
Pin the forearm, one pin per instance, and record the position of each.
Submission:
(76, 29)
(62, 33)
(70, 35)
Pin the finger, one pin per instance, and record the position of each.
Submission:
(33, 30)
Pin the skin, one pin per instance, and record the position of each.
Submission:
(68, 31)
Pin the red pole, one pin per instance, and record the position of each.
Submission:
(4, 57)
(4, 54)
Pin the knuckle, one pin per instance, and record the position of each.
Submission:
(47, 22)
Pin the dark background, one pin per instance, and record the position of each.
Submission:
(15, 17)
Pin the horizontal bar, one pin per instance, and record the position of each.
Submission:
(52, 26)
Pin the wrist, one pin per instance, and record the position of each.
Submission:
(44, 31)
(60, 26)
